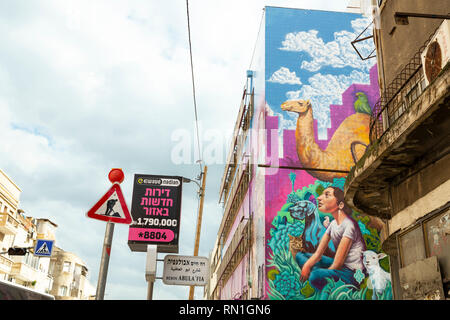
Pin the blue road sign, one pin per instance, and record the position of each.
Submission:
(43, 248)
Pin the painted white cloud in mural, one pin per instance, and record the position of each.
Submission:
(285, 76)
(324, 90)
(338, 53)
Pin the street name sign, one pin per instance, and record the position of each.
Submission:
(185, 270)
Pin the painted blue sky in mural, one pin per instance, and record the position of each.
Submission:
(309, 56)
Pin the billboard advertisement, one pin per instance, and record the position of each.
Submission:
(155, 209)
(320, 94)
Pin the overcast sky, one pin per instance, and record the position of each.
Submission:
(86, 86)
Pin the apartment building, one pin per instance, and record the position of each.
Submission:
(42, 274)
(18, 230)
(403, 177)
(303, 122)
(70, 277)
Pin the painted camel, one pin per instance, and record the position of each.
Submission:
(345, 148)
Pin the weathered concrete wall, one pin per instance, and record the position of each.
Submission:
(432, 200)
(422, 280)
(398, 44)
(420, 184)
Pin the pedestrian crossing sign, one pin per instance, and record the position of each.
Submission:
(43, 248)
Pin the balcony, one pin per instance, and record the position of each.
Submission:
(235, 154)
(8, 223)
(5, 265)
(24, 272)
(239, 246)
(409, 135)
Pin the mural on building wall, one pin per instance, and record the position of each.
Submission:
(319, 96)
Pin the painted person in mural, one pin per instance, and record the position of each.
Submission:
(346, 236)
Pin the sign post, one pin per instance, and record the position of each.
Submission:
(111, 208)
(104, 263)
(150, 269)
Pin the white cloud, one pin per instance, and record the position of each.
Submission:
(338, 53)
(283, 76)
(324, 90)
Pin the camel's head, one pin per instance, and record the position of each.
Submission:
(299, 106)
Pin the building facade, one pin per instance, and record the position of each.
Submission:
(69, 274)
(17, 230)
(303, 123)
(403, 178)
(41, 274)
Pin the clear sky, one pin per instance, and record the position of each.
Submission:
(86, 86)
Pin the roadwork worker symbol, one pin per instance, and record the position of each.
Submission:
(109, 208)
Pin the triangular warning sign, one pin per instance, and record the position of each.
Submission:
(111, 207)
(43, 249)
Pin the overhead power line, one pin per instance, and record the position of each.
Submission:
(193, 87)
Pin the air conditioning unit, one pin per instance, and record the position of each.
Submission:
(437, 53)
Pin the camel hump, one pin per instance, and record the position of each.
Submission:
(354, 128)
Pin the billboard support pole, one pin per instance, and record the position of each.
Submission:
(150, 268)
(199, 225)
(104, 263)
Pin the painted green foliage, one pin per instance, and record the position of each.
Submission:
(283, 271)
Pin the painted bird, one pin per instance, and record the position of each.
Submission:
(362, 104)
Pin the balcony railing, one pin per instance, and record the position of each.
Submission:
(234, 202)
(406, 87)
(239, 246)
(235, 154)
(5, 265)
(8, 224)
(23, 271)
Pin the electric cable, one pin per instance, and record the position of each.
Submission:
(257, 38)
(193, 86)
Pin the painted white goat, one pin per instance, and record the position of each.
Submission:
(377, 276)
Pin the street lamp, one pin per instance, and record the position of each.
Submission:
(187, 180)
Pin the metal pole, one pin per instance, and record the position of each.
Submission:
(150, 268)
(199, 225)
(150, 290)
(107, 243)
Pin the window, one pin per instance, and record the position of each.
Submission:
(412, 246)
(31, 260)
(63, 291)
(430, 237)
(437, 231)
(51, 267)
(66, 266)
